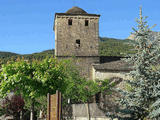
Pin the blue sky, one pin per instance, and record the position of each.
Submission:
(26, 26)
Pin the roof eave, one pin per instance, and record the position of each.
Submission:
(70, 14)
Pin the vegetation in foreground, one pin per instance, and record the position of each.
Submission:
(32, 80)
(142, 99)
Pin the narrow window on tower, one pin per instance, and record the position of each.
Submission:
(78, 43)
(86, 22)
(69, 21)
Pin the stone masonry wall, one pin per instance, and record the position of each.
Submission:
(84, 64)
(66, 35)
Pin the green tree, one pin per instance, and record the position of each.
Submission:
(144, 85)
(33, 80)
(19, 77)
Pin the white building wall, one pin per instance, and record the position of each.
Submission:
(101, 75)
(107, 75)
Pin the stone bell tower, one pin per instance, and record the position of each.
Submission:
(77, 35)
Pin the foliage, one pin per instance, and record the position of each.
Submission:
(33, 80)
(19, 77)
(8, 56)
(39, 56)
(80, 90)
(53, 75)
(145, 80)
(115, 47)
(12, 105)
(105, 86)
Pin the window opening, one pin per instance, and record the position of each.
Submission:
(86, 22)
(78, 43)
(70, 22)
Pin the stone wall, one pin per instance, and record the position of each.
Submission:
(96, 111)
(83, 111)
(80, 112)
(66, 35)
(84, 64)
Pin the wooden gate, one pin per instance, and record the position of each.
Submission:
(54, 106)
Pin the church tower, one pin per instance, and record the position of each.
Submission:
(77, 35)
